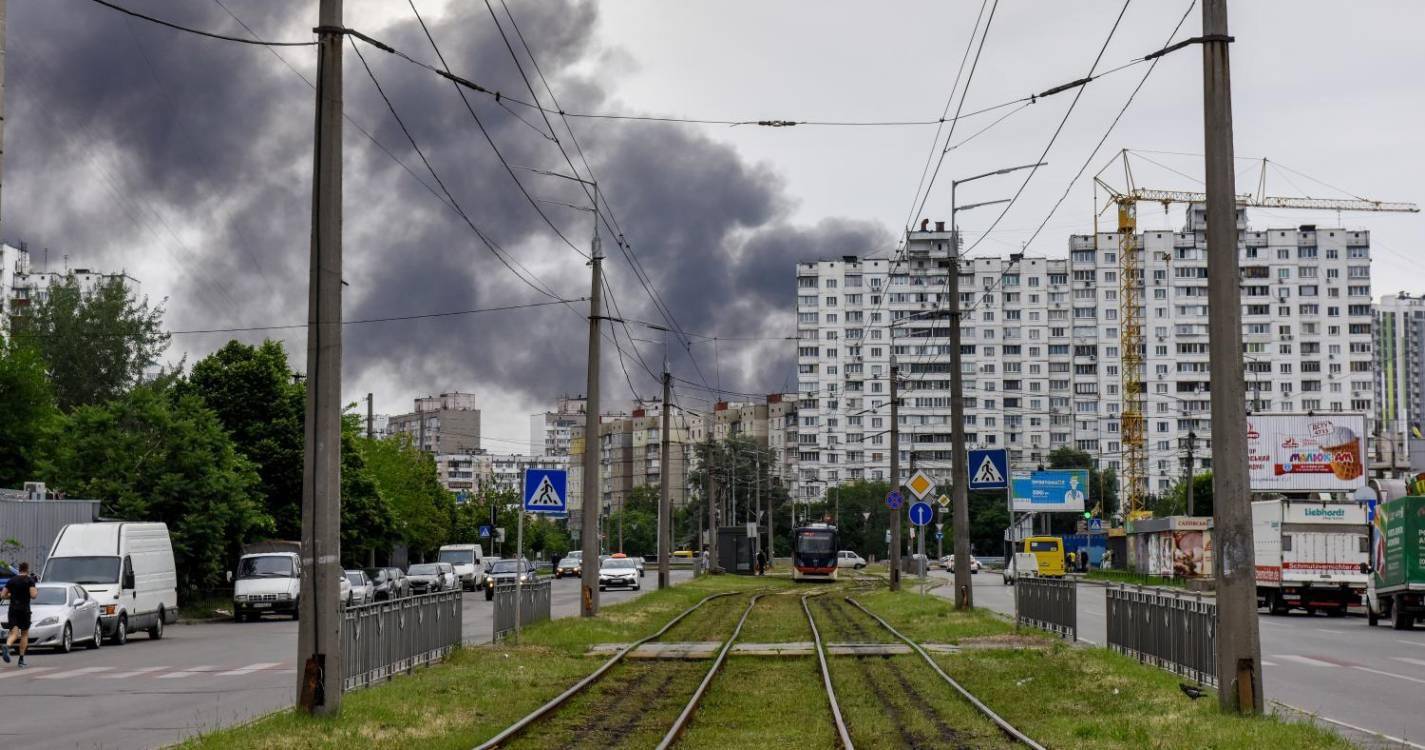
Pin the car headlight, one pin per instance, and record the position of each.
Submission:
(284, 596)
(47, 622)
(239, 597)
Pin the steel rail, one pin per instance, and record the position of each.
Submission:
(841, 729)
(681, 723)
(514, 729)
(999, 721)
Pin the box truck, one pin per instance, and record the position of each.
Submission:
(1310, 555)
(1397, 588)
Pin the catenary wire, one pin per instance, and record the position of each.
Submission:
(199, 32)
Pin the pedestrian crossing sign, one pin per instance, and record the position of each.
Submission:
(988, 470)
(544, 491)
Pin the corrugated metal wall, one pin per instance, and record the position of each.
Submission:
(34, 524)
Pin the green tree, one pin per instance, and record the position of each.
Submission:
(368, 527)
(154, 455)
(1174, 501)
(261, 404)
(95, 345)
(1100, 495)
(423, 510)
(29, 412)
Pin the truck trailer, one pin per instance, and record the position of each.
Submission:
(1310, 555)
(1397, 588)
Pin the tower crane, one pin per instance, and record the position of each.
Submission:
(1134, 432)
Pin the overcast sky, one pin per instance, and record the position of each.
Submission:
(187, 162)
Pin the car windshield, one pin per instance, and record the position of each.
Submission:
(505, 566)
(52, 595)
(815, 542)
(575, 555)
(619, 563)
(271, 566)
(82, 569)
(428, 569)
(1044, 546)
(458, 556)
(354, 579)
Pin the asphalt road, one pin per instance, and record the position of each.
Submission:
(1337, 668)
(198, 678)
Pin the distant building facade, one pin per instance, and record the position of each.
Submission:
(445, 424)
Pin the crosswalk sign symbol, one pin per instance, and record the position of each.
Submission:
(544, 490)
(989, 469)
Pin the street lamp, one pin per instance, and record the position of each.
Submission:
(964, 597)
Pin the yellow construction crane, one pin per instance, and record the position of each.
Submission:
(1134, 482)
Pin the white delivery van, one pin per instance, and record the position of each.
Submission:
(1310, 555)
(268, 582)
(469, 563)
(126, 567)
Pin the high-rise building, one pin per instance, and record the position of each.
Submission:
(552, 432)
(22, 286)
(1041, 347)
(1400, 370)
(447, 423)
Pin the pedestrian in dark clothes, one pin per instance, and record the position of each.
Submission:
(20, 590)
(761, 563)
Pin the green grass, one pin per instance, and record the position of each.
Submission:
(205, 608)
(1123, 576)
(899, 702)
(777, 618)
(632, 707)
(763, 702)
(930, 619)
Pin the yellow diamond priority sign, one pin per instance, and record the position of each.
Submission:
(920, 484)
(944, 501)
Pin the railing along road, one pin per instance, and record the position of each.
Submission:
(1050, 604)
(1172, 630)
(533, 606)
(388, 638)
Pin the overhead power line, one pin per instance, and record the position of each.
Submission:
(200, 32)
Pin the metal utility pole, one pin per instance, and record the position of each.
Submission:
(370, 407)
(1188, 466)
(589, 532)
(665, 475)
(895, 519)
(1239, 650)
(320, 677)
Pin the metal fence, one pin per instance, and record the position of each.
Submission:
(1050, 604)
(534, 605)
(384, 639)
(1172, 630)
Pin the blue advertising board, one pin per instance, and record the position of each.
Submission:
(1060, 490)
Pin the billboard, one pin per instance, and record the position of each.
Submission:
(1306, 453)
(1055, 491)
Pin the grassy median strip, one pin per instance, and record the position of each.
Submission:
(1137, 579)
(763, 702)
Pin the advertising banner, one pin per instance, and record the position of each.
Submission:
(1056, 491)
(1304, 453)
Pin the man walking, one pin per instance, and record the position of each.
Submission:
(761, 563)
(20, 590)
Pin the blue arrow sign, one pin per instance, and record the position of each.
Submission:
(989, 469)
(894, 500)
(921, 513)
(544, 491)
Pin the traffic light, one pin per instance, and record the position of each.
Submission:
(1088, 515)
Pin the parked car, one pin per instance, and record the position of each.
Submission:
(619, 572)
(848, 559)
(388, 583)
(428, 578)
(266, 582)
(948, 562)
(684, 553)
(468, 562)
(570, 565)
(344, 586)
(362, 590)
(63, 614)
(505, 572)
(126, 567)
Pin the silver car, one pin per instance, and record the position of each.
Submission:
(63, 614)
(428, 578)
(363, 591)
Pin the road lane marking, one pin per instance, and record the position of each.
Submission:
(1410, 643)
(1266, 663)
(23, 672)
(1409, 660)
(1307, 660)
(187, 672)
(1338, 722)
(1329, 630)
(74, 673)
(249, 669)
(132, 673)
(1390, 674)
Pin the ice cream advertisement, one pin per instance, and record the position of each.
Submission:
(1306, 453)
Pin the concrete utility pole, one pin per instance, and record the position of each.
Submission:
(895, 519)
(1239, 650)
(665, 498)
(2, 95)
(757, 493)
(959, 472)
(1188, 466)
(589, 533)
(711, 488)
(370, 415)
(319, 680)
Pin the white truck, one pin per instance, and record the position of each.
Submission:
(1310, 555)
(126, 567)
(469, 563)
(268, 581)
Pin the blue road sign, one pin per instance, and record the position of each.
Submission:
(894, 500)
(921, 513)
(1095, 524)
(939, 535)
(1370, 511)
(989, 469)
(544, 491)
(485, 531)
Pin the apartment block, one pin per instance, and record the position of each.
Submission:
(445, 424)
(21, 285)
(1400, 369)
(1042, 358)
(551, 433)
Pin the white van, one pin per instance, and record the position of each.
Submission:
(126, 567)
(469, 563)
(268, 582)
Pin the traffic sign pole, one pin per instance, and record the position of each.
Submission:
(519, 574)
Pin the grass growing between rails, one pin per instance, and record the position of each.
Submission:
(1066, 696)
(1123, 576)
(479, 691)
(766, 702)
